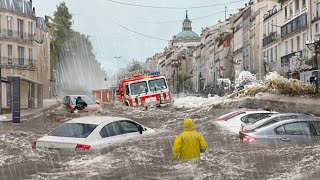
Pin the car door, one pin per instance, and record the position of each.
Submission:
(130, 129)
(294, 132)
(111, 134)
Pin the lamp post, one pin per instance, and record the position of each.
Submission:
(314, 45)
(176, 64)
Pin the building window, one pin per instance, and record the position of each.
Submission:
(271, 55)
(30, 30)
(304, 40)
(291, 9)
(30, 56)
(275, 53)
(286, 12)
(298, 43)
(316, 27)
(272, 30)
(10, 54)
(20, 28)
(0, 53)
(286, 47)
(9, 26)
(291, 45)
(304, 3)
(317, 10)
(297, 5)
(21, 55)
(0, 24)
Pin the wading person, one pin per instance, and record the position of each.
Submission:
(189, 144)
(80, 104)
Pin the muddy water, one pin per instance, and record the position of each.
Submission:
(150, 158)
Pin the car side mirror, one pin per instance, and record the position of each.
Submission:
(97, 102)
(117, 92)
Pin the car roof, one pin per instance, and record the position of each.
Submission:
(259, 111)
(77, 95)
(96, 119)
(288, 114)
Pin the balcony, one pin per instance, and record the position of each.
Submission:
(269, 39)
(17, 37)
(14, 63)
(295, 25)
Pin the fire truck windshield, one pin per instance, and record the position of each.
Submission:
(138, 87)
(157, 84)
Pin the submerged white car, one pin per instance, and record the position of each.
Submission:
(92, 132)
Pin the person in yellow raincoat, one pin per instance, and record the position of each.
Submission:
(189, 144)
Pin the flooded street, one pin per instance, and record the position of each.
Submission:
(150, 158)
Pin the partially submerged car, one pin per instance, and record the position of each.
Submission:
(269, 119)
(69, 103)
(92, 132)
(233, 123)
(296, 131)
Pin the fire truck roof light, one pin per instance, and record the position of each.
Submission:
(155, 73)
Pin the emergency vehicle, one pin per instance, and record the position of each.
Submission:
(144, 91)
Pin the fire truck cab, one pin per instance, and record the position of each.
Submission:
(144, 91)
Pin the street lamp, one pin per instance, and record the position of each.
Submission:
(314, 45)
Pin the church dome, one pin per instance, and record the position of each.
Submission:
(187, 35)
(19, 6)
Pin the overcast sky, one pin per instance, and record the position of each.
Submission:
(100, 19)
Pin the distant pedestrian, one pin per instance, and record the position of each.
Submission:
(189, 144)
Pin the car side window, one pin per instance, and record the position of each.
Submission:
(109, 130)
(68, 100)
(129, 126)
(296, 128)
(252, 118)
(267, 123)
(317, 127)
(65, 100)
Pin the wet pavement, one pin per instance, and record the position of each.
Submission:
(150, 158)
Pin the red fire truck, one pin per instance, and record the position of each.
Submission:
(144, 91)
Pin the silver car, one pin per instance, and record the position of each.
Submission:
(295, 131)
(270, 119)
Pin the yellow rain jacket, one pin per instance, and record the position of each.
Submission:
(189, 144)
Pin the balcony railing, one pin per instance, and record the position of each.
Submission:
(17, 36)
(269, 39)
(14, 63)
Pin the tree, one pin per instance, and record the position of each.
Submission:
(61, 27)
(135, 66)
(72, 55)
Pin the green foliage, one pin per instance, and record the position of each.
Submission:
(135, 66)
(61, 26)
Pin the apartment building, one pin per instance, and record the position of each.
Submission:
(295, 32)
(24, 55)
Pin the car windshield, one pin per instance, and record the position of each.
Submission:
(157, 84)
(74, 130)
(86, 99)
(138, 87)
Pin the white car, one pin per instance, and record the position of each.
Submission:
(233, 124)
(92, 132)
